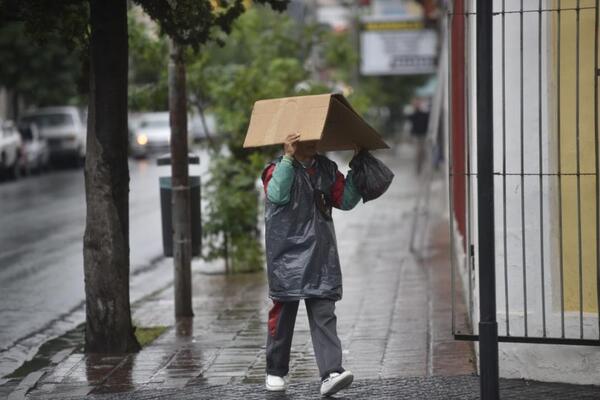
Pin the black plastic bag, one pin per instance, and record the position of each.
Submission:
(370, 176)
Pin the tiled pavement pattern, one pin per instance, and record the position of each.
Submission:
(393, 320)
(463, 387)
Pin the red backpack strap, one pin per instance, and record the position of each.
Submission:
(267, 174)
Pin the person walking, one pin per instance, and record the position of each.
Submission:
(302, 258)
(419, 120)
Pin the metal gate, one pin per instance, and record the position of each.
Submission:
(523, 168)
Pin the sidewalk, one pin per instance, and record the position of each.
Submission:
(463, 387)
(394, 324)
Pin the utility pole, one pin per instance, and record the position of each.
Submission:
(488, 327)
(180, 197)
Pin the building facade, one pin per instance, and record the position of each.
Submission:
(545, 186)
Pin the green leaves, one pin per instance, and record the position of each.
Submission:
(148, 60)
(263, 57)
(229, 226)
(188, 22)
(195, 22)
(42, 74)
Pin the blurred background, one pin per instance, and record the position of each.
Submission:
(381, 54)
(365, 49)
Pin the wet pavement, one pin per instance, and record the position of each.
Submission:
(463, 387)
(394, 324)
(394, 319)
(42, 221)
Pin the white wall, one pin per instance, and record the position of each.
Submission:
(574, 364)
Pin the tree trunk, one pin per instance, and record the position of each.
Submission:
(106, 242)
(180, 198)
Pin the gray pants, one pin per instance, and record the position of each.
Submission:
(322, 321)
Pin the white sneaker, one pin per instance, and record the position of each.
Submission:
(275, 383)
(336, 382)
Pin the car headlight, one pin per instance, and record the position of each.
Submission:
(142, 139)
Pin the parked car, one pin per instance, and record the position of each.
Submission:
(64, 128)
(36, 154)
(10, 150)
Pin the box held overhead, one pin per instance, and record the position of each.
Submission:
(328, 118)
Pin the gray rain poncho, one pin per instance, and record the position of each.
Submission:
(302, 255)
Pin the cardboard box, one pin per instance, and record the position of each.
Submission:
(328, 118)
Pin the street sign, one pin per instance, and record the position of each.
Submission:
(397, 47)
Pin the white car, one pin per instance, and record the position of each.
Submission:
(64, 128)
(151, 133)
(36, 155)
(10, 150)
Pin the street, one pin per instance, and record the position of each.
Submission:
(42, 224)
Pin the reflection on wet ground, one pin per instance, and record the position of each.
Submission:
(42, 219)
(214, 347)
(393, 320)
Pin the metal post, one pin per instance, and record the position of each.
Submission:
(182, 233)
(488, 327)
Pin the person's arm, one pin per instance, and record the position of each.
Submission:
(278, 179)
(344, 193)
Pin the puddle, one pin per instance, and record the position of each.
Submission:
(49, 352)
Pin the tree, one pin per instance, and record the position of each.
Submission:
(263, 57)
(106, 239)
(180, 195)
(191, 24)
(36, 74)
(148, 55)
(39, 65)
(100, 26)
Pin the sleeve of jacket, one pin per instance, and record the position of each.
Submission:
(343, 193)
(277, 181)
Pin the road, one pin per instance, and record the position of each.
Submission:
(42, 221)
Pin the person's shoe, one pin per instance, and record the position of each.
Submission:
(336, 382)
(275, 383)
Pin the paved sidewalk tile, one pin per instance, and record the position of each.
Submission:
(393, 321)
(463, 387)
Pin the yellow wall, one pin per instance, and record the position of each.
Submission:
(568, 159)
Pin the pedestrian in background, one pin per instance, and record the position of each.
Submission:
(419, 120)
(302, 258)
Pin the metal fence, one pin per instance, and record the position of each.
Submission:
(545, 169)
